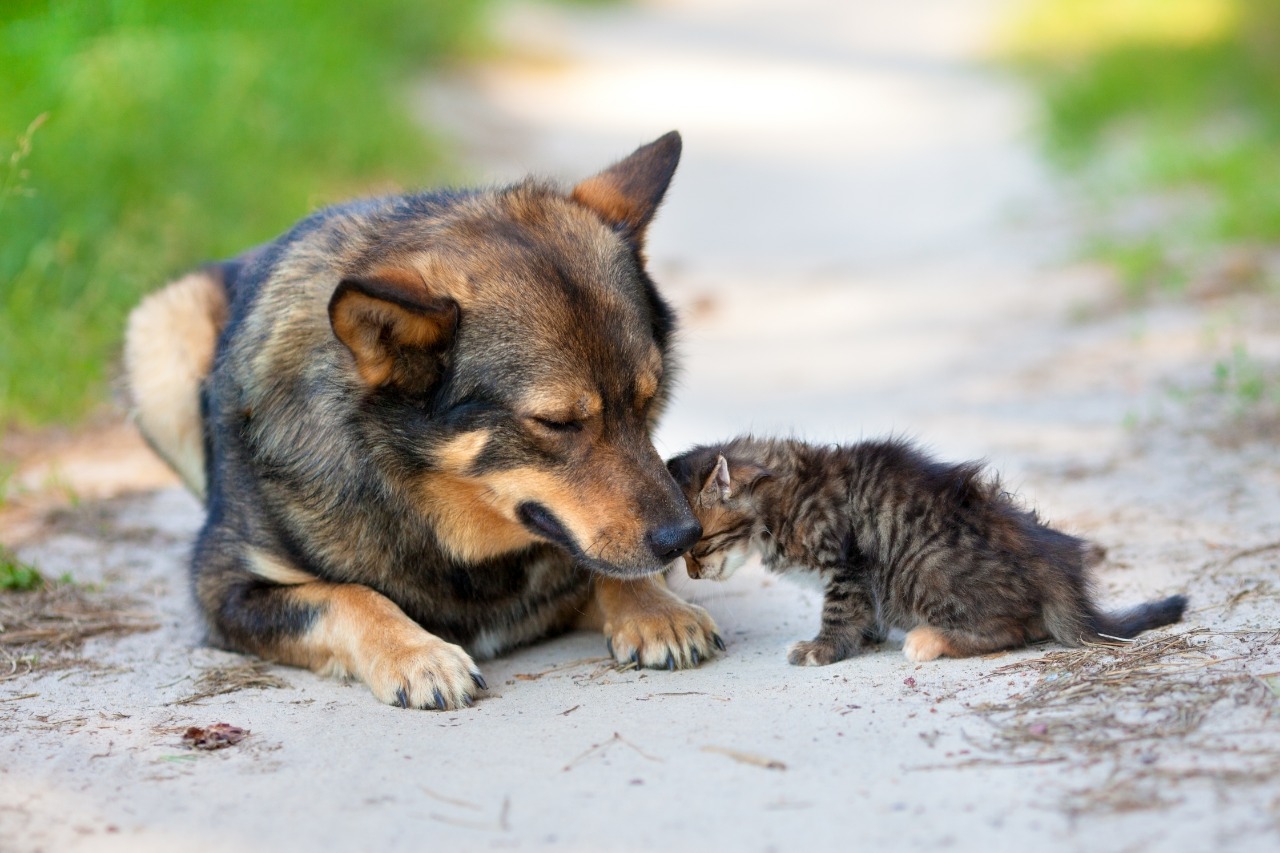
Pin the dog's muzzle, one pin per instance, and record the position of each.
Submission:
(672, 540)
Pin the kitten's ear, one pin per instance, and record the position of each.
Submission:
(717, 485)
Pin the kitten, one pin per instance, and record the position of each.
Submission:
(900, 541)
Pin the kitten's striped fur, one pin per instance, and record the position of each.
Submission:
(900, 541)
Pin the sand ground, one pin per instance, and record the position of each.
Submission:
(861, 241)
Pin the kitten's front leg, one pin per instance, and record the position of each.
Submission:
(848, 623)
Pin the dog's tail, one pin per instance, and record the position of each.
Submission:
(168, 351)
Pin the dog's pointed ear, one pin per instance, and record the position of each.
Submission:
(398, 333)
(627, 194)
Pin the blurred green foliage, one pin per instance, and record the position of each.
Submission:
(141, 137)
(17, 576)
(1245, 379)
(1179, 99)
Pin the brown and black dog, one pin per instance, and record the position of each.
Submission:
(421, 425)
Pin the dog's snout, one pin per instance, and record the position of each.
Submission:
(672, 540)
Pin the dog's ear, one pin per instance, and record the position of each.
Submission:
(398, 333)
(627, 194)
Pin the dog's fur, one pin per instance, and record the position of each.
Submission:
(424, 432)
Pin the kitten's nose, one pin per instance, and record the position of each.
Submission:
(672, 540)
(692, 567)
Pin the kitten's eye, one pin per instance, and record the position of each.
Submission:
(555, 425)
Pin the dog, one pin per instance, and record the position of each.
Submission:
(421, 426)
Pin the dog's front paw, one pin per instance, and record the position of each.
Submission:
(818, 652)
(427, 673)
(672, 634)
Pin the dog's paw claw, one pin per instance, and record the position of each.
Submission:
(715, 638)
(425, 673)
(479, 681)
(674, 635)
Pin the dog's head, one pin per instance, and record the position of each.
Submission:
(512, 356)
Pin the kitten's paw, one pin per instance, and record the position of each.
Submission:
(673, 634)
(429, 674)
(819, 652)
(925, 643)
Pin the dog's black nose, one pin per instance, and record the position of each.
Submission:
(672, 540)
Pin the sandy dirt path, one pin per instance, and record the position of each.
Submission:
(861, 242)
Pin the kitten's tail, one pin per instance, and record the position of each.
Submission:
(1128, 624)
(1070, 615)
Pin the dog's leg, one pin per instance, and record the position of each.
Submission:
(283, 614)
(648, 625)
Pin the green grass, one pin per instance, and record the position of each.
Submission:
(17, 576)
(1174, 99)
(141, 137)
(1245, 379)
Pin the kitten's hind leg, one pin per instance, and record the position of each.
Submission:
(926, 643)
(848, 622)
(929, 643)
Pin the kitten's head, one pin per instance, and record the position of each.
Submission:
(720, 487)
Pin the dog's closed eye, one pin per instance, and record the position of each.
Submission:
(567, 425)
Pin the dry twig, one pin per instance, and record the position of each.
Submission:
(747, 757)
(217, 680)
(597, 747)
(41, 630)
(573, 664)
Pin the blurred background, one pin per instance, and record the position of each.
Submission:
(139, 138)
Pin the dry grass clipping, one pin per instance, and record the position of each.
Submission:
(228, 678)
(749, 758)
(1153, 713)
(42, 630)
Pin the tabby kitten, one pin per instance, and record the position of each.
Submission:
(900, 541)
